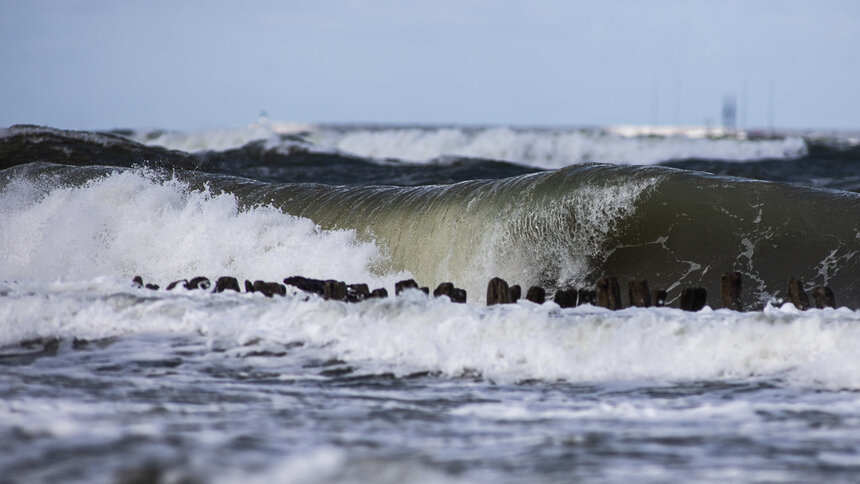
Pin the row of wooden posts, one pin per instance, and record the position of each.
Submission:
(606, 292)
(329, 289)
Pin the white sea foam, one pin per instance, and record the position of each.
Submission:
(130, 223)
(553, 148)
(541, 147)
(515, 342)
(333, 465)
(219, 139)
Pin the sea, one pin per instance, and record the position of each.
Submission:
(103, 379)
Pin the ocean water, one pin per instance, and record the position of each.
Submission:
(105, 381)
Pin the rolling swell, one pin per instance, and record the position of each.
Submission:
(285, 159)
(826, 164)
(570, 226)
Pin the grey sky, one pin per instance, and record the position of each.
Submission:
(198, 64)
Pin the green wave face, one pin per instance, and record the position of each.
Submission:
(569, 227)
(574, 225)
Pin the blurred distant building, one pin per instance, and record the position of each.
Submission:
(730, 113)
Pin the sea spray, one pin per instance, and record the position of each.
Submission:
(130, 223)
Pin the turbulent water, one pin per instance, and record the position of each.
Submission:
(104, 381)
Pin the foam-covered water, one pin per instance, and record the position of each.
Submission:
(553, 148)
(231, 387)
(509, 344)
(103, 381)
(218, 139)
(546, 148)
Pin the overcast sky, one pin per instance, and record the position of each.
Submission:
(202, 64)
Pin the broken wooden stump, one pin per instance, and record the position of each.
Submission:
(316, 286)
(269, 289)
(455, 294)
(608, 293)
(796, 294)
(404, 285)
(565, 298)
(498, 292)
(335, 290)
(586, 296)
(658, 297)
(536, 294)
(443, 289)
(515, 293)
(137, 282)
(263, 287)
(824, 297)
(357, 292)
(198, 283)
(693, 298)
(173, 284)
(225, 283)
(730, 290)
(638, 293)
(458, 295)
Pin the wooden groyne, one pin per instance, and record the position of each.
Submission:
(605, 293)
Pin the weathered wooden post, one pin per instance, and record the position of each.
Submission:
(608, 293)
(565, 298)
(658, 297)
(173, 284)
(498, 292)
(269, 289)
(824, 297)
(306, 284)
(638, 293)
(796, 294)
(262, 287)
(730, 290)
(443, 289)
(536, 294)
(693, 298)
(586, 296)
(335, 290)
(458, 295)
(198, 283)
(404, 285)
(455, 294)
(515, 293)
(357, 292)
(224, 283)
(700, 298)
(138, 282)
